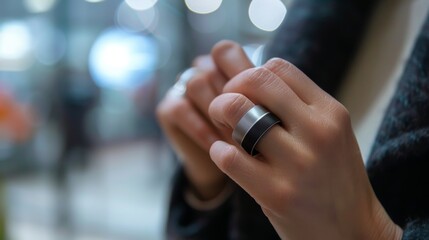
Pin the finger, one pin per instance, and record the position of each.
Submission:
(230, 58)
(187, 148)
(227, 110)
(302, 85)
(265, 88)
(203, 87)
(181, 113)
(218, 80)
(204, 62)
(200, 91)
(252, 175)
(219, 84)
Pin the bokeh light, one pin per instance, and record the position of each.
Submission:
(267, 15)
(203, 6)
(122, 60)
(136, 20)
(49, 42)
(141, 4)
(15, 46)
(15, 40)
(91, 73)
(207, 23)
(38, 6)
(94, 1)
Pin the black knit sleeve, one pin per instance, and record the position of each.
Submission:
(416, 230)
(399, 163)
(238, 218)
(320, 37)
(186, 223)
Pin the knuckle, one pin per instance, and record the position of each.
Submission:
(250, 80)
(236, 108)
(261, 78)
(338, 117)
(277, 64)
(342, 116)
(257, 75)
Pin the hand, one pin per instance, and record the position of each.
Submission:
(309, 178)
(186, 123)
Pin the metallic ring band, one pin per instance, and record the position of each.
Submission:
(252, 127)
(179, 88)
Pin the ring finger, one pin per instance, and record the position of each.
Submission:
(227, 110)
(265, 88)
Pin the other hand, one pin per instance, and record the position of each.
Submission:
(186, 123)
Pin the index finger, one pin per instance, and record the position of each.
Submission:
(230, 58)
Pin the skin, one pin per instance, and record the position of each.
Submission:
(309, 177)
(186, 123)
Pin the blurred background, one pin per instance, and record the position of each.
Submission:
(81, 153)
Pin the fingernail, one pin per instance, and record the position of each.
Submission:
(217, 148)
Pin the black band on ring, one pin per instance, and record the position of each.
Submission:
(257, 131)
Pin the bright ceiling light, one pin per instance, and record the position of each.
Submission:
(16, 46)
(15, 40)
(203, 6)
(38, 6)
(141, 4)
(120, 59)
(267, 14)
(137, 20)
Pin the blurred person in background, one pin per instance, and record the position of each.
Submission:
(77, 96)
(309, 180)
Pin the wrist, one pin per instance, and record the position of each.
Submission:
(205, 191)
(205, 184)
(208, 204)
(383, 228)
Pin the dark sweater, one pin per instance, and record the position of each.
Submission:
(399, 164)
(320, 37)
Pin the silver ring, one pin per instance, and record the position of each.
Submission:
(252, 127)
(179, 88)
